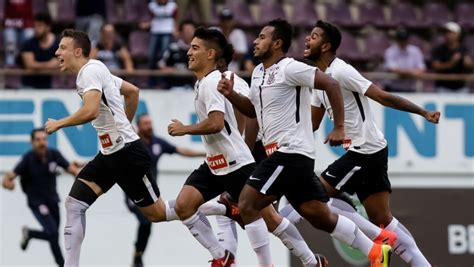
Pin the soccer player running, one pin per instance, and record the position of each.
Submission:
(110, 103)
(38, 171)
(280, 95)
(156, 147)
(363, 168)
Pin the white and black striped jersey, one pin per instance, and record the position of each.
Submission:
(112, 125)
(281, 95)
(359, 124)
(226, 150)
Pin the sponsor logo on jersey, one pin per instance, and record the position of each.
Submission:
(217, 162)
(105, 140)
(270, 148)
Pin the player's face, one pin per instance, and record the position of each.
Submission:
(199, 55)
(145, 126)
(263, 43)
(314, 43)
(66, 53)
(40, 142)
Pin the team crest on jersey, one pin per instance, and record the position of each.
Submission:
(271, 77)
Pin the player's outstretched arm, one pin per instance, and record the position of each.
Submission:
(131, 94)
(400, 103)
(242, 103)
(88, 112)
(186, 152)
(8, 180)
(213, 124)
(324, 82)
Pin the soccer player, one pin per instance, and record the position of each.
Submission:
(280, 95)
(110, 103)
(38, 170)
(156, 148)
(363, 168)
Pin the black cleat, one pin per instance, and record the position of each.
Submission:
(25, 238)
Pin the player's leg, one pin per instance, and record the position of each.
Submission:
(378, 209)
(227, 235)
(200, 187)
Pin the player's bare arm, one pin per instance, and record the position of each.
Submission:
(73, 169)
(251, 132)
(400, 103)
(186, 152)
(242, 103)
(88, 112)
(317, 114)
(8, 180)
(131, 94)
(323, 82)
(213, 124)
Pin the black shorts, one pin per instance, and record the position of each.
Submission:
(258, 152)
(364, 174)
(289, 175)
(211, 185)
(129, 168)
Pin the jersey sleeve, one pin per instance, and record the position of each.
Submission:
(92, 78)
(61, 160)
(300, 74)
(214, 100)
(22, 167)
(315, 100)
(350, 79)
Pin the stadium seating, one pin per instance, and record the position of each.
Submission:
(65, 12)
(40, 6)
(435, 14)
(242, 15)
(269, 10)
(463, 13)
(339, 14)
(138, 45)
(404, 14)
(304, 14)
(371, 13)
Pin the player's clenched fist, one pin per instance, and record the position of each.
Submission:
(226, 86)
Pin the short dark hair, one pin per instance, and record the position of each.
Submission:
(331, 34)
(34, 131)
(228, 53)
(214, 39)
(186, 22)
(283, 31)
(43, 17)
(140, 116)
(81, 40)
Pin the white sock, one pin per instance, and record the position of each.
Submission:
(260, 242)
(227, 235)
(291, 214)
(170, 212)
(293, 240)
(75, 230)
(405, 245)
(212, 207)
(201, 229)
(347, 232)
(342, 208)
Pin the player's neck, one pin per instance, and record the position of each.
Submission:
(79, 64)
(273, 59)
(205, 71)
(324, 61)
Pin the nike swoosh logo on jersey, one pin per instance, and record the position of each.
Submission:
(330, 175)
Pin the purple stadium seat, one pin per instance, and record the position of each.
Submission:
(404, 14)
(2, 10)
(469, 42)
(435, 14)
(349, 50)
(270, 10)
(111, 9)
(372, 13)
(375, 45)
(136, 11)
(66, 11)
(297, 47)
(464, 13)
(40, 6)
(242, 15)
(422, 44)
(339, 14)
(138, 44)
(304, 14)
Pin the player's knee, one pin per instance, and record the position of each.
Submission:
(153, 218)
(184, 209)
(73, 205)
(381, 218)
(247, 209)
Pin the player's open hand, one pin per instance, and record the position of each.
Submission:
(51, 126)
(432, 116)
(176, 128)
(226, 86)
(8, 184)
(336, 136)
